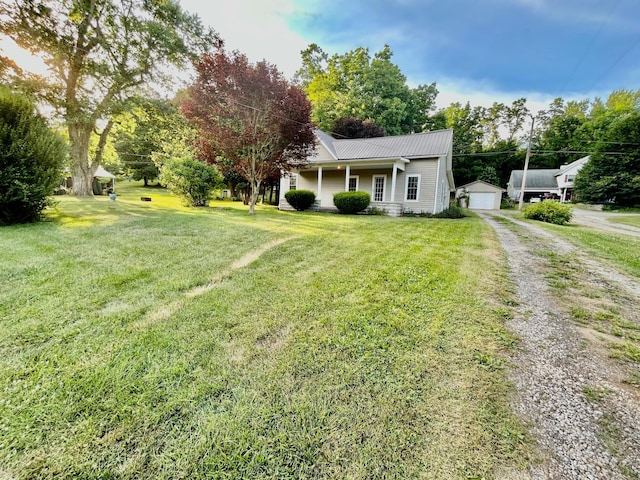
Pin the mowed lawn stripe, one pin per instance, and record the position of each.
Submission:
(365, 347)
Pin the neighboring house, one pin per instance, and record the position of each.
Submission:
(406, 173)
(566, 176)
(481, 195)
(539, 183)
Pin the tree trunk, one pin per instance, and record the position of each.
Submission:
(255, 192)
(82, 172)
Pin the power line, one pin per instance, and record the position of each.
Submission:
(591, 43)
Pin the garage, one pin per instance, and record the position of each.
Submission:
(480, 195)
(481, 200)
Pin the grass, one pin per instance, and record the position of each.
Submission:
(633, 221)
(595, 394)
(359, 347)
(622, 251)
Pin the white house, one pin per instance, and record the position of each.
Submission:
(481, 195)
(406, 173)
(566, 176)
(539, 182)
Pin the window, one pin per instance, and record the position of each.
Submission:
(378, 187)
(570, 178)
(353, 183)
(293, 182)
(412, 188)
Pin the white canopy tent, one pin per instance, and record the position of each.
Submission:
(102, 173)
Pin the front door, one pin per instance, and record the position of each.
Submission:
(378, 187)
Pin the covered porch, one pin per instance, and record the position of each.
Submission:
(380, 178)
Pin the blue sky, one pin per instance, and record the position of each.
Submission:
(476, 50)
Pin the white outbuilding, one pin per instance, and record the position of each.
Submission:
(480, 195)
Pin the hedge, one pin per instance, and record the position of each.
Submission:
(351, 202)
(300, 199)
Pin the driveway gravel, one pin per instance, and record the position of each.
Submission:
(578, 436)
(602, 221)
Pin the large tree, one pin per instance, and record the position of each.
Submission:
(143, 134)
(98, 52)
(613, 170)
(249, 115)
(479, 149)
(356, 85)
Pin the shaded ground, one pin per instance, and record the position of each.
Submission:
(585, 419)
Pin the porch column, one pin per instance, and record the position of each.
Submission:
(347, 174)
(319, 186)
(394, 177)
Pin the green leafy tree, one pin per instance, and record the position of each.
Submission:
(356, 85)
(489, 175)
(145, 132)
(99, 52)
(478, 146)
(608, 177)
(191, 180)
(31, 159)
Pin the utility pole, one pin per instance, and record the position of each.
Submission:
(526, 165)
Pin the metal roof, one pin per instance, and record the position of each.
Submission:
(537, 178)
(416, 145)
(566, 168)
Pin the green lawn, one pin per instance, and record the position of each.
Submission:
(622, 251)
(633, 220)
(139, 340)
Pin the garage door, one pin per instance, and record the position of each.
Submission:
(481, 200)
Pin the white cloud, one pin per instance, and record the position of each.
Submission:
(484, 94)
(256, 28)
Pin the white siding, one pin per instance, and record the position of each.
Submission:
(480, 187)
(427, 169)
(322, 155)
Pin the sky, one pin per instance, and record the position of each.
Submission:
(480, 51)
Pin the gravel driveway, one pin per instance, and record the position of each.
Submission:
(585, 420)
(602, 221)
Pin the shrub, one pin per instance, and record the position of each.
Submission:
(190, 180)
(351, 202)
(31, 160)
(507, 204)
(376, 211)
(549, 211)
(300, 199)
(452, 212)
